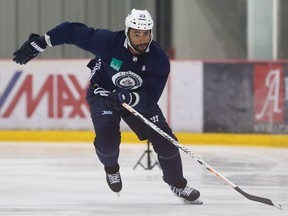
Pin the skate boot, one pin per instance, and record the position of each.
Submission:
(113, 179)
(187, 194)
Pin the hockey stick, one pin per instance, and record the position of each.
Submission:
(200, 161)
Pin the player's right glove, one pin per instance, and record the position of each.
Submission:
(119, 96)
(30, 49)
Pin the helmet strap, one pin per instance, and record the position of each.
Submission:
(130, 45)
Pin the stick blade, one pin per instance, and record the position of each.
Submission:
(258, 199)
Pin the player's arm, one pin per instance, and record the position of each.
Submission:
(84, 37)
(89, 39)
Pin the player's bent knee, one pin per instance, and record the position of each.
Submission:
(166, 149)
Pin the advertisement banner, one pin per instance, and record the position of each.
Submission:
(44, 95)
(269, 98)
(50, 95)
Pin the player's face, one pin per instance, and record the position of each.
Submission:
(139, 39)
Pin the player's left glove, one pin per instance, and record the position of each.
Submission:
(119, 96)
(30, 49)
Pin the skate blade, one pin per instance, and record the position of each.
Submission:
(195, 202)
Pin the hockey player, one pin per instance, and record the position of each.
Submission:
(128, 67)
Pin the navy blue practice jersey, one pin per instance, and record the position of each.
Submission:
(145, 74)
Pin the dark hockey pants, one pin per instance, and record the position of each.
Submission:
(106, 122)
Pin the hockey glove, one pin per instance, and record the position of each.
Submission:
(119, 96)
(30, 49)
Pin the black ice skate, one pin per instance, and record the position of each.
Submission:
(114, 182)
(188, 194)
(113, 178)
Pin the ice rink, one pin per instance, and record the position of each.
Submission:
(67, 179)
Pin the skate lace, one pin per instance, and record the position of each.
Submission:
(180, 191)
(187, 191)
(114, 178)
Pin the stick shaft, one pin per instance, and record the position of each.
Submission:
(200, 161)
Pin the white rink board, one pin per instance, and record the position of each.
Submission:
(50, 95)
(187, 96)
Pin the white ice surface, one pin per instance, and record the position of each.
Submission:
(67, 179)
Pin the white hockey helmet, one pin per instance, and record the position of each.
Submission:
(138, 19)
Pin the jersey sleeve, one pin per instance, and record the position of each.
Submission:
(84, 37)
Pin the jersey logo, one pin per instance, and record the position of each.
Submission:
(127, 80)
(107, 112)
(96, 68)
(154, 119)
(116, 64)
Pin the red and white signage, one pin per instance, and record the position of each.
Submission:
(50, 95)
(44, 95)
(269, 96)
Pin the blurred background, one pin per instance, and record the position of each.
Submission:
(228, 85)
(186, 29)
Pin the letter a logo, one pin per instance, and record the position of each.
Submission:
(269, 93)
